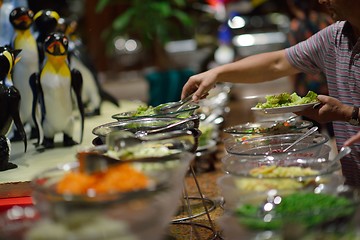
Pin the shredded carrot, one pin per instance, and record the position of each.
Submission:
(120, 178)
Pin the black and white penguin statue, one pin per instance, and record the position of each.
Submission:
(21, 18)
(9, 107)
(93, 94)
(54, 88)
(45, 22)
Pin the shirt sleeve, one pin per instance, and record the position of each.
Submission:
(309, 56)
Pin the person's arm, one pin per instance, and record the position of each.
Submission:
(253, 69)
(353, 139)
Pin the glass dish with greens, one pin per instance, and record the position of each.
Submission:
(150, 111)
(319, 215)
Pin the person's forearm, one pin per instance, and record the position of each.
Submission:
(256, 68)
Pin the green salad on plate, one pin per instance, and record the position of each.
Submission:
(287, 99)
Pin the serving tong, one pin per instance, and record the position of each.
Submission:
(96, 162)
(176, 106)
(142, 133)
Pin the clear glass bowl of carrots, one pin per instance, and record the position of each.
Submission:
(141, 197)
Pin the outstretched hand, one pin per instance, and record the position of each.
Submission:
(201, 84)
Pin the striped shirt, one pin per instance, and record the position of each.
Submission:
(335, 52)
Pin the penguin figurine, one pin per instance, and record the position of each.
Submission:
(9, 107)
(6, 31)
(54, 88)
(45, 22)
(21, 18)
(92, 94)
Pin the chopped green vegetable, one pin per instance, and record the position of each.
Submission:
(307, 209)
(286, 99)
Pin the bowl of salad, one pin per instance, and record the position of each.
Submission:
(288, 174)
(299, 215)
(149, 111)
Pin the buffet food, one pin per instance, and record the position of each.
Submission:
(273, 145)
(287, 99)
(150, 111)
(305, 209)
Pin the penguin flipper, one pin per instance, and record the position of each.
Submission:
(76, 84)
(37, 94)
(105, 96)
(14, 106)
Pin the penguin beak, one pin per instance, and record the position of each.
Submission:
(56, 49)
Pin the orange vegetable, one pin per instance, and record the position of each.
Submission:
(120, 178)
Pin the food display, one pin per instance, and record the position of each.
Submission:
(117, 178)
(274, 145)
(207, 133)
(305, 209)
(136, 197)
(252, 130)
(277, 177)
(287, 99)
(142, 124)
(142, 151)
(150, 111)
(283, 174)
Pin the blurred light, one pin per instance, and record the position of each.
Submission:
(236, 22)
(246, 40)
(120, 44)
(181, 46)
(268, 207)
(277, 200)
(126, 45)
(131, 45)
(224, 54)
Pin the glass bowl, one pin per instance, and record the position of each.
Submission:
(124, 146)
(299, 215)
(185, 112)
(288, 175)
(274, 144)
(142, 124)
(258, 129)
(144, 212)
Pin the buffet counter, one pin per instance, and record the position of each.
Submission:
(15, 182)
(15, 186)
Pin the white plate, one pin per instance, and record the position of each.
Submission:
(286, 109)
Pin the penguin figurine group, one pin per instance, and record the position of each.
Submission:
(54, 87)
(9, 107)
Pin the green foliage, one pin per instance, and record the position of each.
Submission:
(148, 20)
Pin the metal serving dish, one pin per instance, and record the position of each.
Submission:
(142, 124)
(184, 112)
